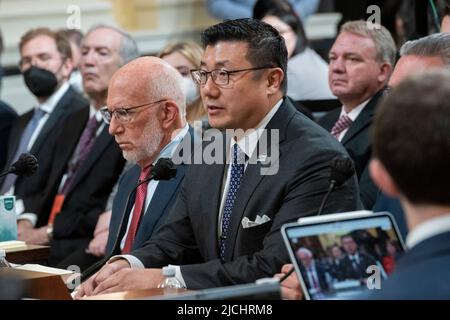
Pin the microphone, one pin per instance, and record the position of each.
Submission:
(342, 168)
(26, 165)
(164, 169)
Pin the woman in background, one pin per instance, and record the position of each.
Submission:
(185, 56)
(307, 72)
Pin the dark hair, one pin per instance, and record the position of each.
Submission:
(285, 12)
(348, 235)
(265, 45)
(74, 35)
(411, 137)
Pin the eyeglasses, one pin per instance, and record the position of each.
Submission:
(123, 115)
(220, 77)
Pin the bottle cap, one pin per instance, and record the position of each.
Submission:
(168, 271)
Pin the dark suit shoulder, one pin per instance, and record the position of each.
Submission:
(328, 120)
(6, 111)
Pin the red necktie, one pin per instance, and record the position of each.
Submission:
(141, 193)
(343, 123)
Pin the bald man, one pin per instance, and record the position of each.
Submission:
(148, 122)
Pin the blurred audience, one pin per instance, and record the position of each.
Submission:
(361, 61)
(315, 279)
(418, 56)
(445, 24)
(7, 117)
(46, 64)
(354, 263)
(235, 9)
(87, 161)
(413, 166)
(307, 71)
(186, 56)
(75, 38)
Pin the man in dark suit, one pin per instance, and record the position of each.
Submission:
(361, 62)
(7, 118)
(420, 180)
(416, 56)
(87, 161)
(314, 272)
(46, 64)
(221, 231)
(355, 263)
(135, 133)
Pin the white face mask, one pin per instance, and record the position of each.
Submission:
(190, 90)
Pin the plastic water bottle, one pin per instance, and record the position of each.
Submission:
(170, 282)
(3, 262)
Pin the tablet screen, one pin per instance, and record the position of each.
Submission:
(342, 259)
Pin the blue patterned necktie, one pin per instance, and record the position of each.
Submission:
(23, 146)
(237, 172)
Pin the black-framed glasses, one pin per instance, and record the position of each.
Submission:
(220, 77)
(123, 115)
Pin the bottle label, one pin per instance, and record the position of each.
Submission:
(8, 218)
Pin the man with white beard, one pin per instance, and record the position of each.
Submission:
(146, 114)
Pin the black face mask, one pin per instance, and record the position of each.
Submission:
(41, 82)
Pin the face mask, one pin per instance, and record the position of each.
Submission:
(41, 82)
(190, 90)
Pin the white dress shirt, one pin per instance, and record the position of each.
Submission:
(352, 115)
(31, 216)
(247, 144)
(428, 229)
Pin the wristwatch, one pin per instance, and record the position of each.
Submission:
(50, 232)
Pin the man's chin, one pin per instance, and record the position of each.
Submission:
(130, 157)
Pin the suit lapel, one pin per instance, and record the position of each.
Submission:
(163, 193)
(16, 133)
(330, 119)
(253, 177)
(363, 120)
(55, 117)
(100, 144)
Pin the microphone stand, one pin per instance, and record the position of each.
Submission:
(123, 223)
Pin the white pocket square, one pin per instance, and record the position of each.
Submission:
(247, 223)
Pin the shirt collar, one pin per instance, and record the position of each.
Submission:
(249, 141)
(93, 111)
(169, 149)
(428, 229)
(49, 105)
(355, 111)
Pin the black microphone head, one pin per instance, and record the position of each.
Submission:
(164, 169)
(26, 165)
(342, 168)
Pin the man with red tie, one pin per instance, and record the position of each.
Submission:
(361, 61)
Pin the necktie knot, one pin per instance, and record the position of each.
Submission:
(238, 155)
(342, 124)
(145, 172)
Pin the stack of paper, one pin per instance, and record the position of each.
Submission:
(12, 245)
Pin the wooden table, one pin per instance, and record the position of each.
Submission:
(30, 254)
(138, 294)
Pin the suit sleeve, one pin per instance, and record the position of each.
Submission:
(176, 242)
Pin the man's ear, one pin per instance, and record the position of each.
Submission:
(382, 178)
(67, 68)
(385, 72)
(274, 78)
(169, 114)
